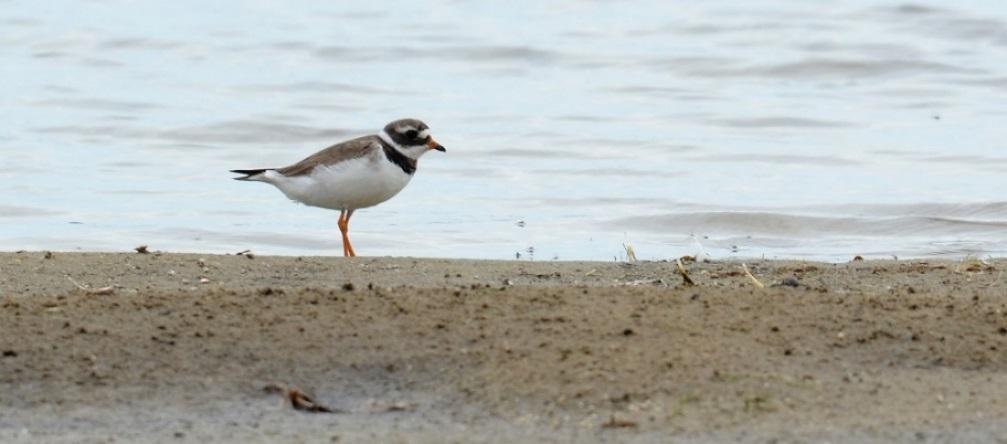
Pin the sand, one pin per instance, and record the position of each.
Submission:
(181, 347)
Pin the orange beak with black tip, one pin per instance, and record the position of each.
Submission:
(433, 145)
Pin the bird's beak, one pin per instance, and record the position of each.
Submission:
(433, 145)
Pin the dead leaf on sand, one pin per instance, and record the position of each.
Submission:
(971, 264)
(618, 423)
(299, 400)
(388, 407)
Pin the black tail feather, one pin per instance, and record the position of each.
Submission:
(248, 173)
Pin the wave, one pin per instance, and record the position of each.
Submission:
(971, 211)
(880, 224)
(22, 211)
(228, 132)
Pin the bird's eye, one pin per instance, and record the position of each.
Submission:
(412, 134)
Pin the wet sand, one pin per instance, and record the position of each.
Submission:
(427, 350)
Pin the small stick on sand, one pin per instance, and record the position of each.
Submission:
(685, 275)
(752, 277)
(100, 291)
(76, 283)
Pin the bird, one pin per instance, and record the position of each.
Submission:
(354, 174)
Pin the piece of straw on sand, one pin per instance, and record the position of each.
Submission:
(685, 275)
(95, 291)
(630, 253)
(752, 277)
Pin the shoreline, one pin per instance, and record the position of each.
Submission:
(180, 346)
(616, 258)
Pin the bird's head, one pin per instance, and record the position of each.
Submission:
(411, 136)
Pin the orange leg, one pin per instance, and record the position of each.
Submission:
(349, 245)
(344, 228)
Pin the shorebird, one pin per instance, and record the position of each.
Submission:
(354, 174)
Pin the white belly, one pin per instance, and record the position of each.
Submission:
(354, 183)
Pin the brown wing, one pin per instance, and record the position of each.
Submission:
(339, 152)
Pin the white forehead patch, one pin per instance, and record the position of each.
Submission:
(424, 134)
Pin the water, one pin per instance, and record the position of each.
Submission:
(766, 128)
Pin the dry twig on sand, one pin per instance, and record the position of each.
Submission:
(685, 275)
(95, 291)
(752, 277)
(617, 423)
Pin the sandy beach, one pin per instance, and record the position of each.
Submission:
(181, 347)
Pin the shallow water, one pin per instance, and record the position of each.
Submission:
(775, 129)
